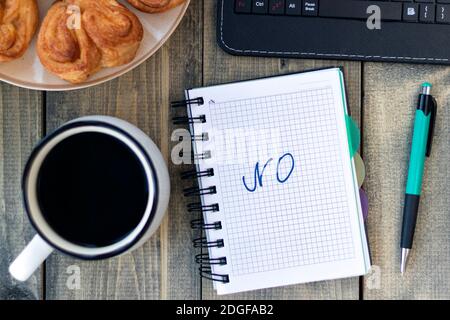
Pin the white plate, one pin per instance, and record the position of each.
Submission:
(28, 72)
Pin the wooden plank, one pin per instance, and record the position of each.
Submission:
(20, 129)
(163, 267)
(390, 98)
(185, 63)
(220, 67)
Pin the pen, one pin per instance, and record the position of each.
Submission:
(420, 148)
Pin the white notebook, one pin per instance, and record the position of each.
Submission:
(281, 200)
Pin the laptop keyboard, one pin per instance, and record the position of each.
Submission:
(408, 11)
(413, 31)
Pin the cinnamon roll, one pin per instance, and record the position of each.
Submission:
(79, 37)
(155, 6)
(66, 51)
(18, 24)
(115, 30)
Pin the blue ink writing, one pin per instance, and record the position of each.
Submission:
(258, 174)
(290, 172)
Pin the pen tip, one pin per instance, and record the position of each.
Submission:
(405, 255)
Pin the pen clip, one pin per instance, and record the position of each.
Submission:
(433, 107)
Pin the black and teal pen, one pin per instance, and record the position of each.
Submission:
(420, 149)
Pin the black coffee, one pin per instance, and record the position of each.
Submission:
(92, 189)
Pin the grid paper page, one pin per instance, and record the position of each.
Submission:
(284, 182)
(278, 226)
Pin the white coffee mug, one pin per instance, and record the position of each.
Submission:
(47, 240)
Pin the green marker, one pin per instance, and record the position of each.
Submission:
(420, 149)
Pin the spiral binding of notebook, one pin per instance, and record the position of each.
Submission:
(203, 259)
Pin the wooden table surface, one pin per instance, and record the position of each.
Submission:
(382, 99)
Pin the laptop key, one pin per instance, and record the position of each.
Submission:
(243, 6)
(310, 7)
(353, 9)
(443, 13)
(276, 6)
(294, 7)
(260, 6)
(427, 13)
(410, 12)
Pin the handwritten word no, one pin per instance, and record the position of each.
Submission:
(259, 173)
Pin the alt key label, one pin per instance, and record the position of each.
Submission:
(294, 7)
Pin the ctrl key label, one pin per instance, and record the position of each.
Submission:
(260, 6)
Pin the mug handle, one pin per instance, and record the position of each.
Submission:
(30, 259)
